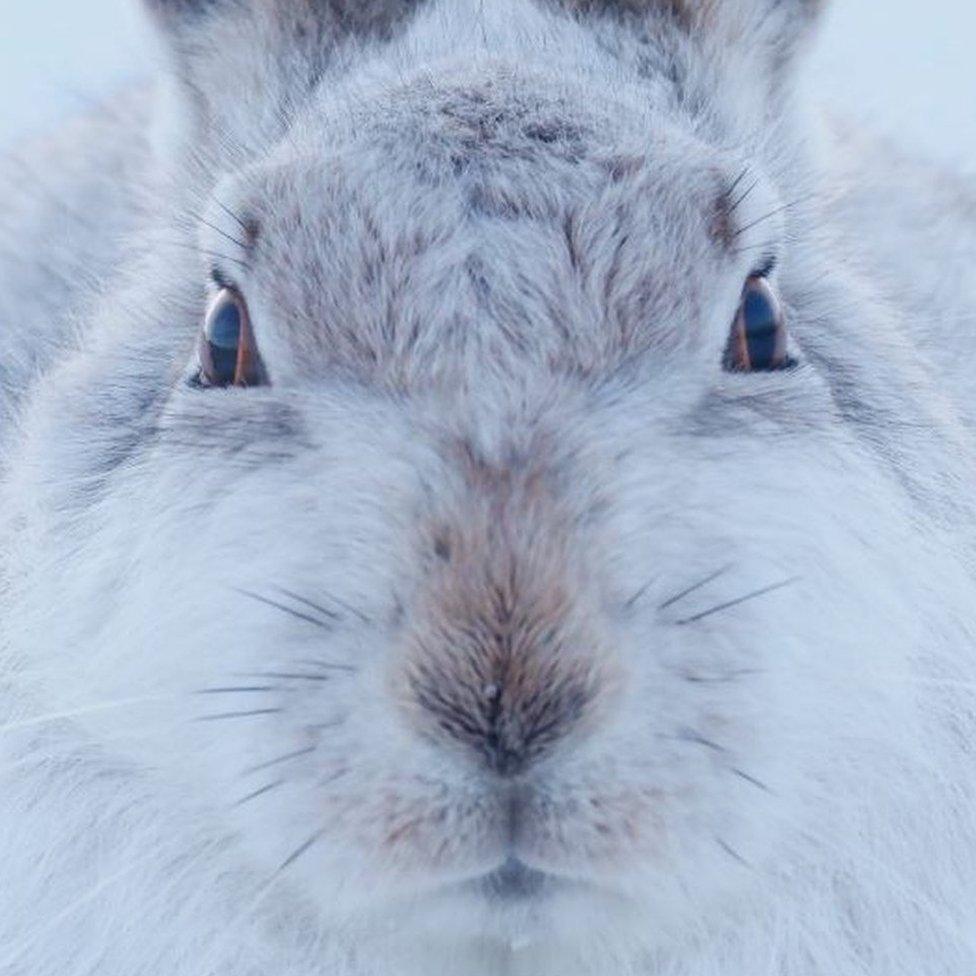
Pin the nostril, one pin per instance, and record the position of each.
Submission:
(504, 672)
(502, 758)
(506, 724)
(486, 719)
(503, 754)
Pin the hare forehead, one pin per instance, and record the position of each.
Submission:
(486, 221)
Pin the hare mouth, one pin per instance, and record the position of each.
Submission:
(515, 881)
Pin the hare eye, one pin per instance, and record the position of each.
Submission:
(758, 342)
(228, 353)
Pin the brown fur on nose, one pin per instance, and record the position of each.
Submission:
(504, 658)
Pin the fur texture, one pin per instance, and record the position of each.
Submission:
(501, 563)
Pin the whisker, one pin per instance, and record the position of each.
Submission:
(260, 894)
(234, 691)
(277, 760)
(735, 183)
(331, 614)
(260, 792)
(233, 216)
(301, 851)
(732, 852)
(334, 724)
(736, 602)
(326, 780)
(721, 679)
(629, 604)
(348, 607)
(224, 234)
(745, 195)
(742, 774)
(248, 714)
(284, 608)
(289, 676)
(326, 665)
(690, 735)
(678, 597)
(772, 213)
(76, 712)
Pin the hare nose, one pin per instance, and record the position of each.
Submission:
(503, 663)
(506, 743)
(507, 724)
(506, 651)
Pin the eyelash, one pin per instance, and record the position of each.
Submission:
(219, 280)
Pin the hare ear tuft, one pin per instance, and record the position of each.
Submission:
(171, 11)
(703, 11)
(703, 15)
(180, 6)
(805, 10)
(779, 24)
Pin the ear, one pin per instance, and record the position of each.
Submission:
(170, 13)
(700, 13)
(242, 66)
(709, 8)
(781, 22)
(770, 28)
(335, 18)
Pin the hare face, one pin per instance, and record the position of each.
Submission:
(486, 542)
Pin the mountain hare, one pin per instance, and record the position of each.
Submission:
(487, 488)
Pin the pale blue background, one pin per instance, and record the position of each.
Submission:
(907, 68)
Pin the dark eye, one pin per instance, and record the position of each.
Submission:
(228, 353)
(758, 342)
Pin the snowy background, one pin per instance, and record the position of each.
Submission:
(880, 60)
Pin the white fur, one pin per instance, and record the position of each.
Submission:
(485, 224)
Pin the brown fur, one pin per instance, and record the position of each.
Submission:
(502, 657)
